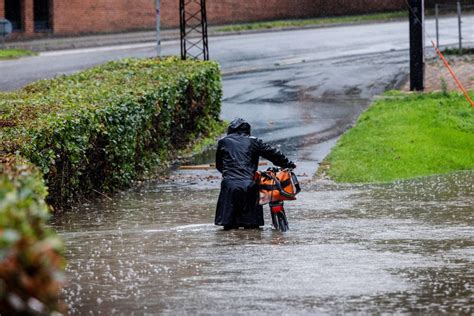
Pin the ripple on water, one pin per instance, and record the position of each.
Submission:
(392, 248)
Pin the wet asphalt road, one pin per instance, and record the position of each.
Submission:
(309, 85)
(243, 52)
(399, 248)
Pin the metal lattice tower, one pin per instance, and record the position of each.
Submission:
(193, 23)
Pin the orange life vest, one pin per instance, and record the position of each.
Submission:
(277, 185)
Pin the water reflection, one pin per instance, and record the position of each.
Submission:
(393, 248)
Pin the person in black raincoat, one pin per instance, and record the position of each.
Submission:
(237, 159)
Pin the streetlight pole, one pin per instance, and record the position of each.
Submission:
(158, 28)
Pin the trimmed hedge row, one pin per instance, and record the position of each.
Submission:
(31, 261)
(101, 128)
(96, 130)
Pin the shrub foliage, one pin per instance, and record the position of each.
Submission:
(100, 128)
(31, 262)
(96, 130)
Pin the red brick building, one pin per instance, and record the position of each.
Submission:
(32, 18)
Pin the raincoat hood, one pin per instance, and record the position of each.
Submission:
(240, 126)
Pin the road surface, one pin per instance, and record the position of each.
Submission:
(398, 248)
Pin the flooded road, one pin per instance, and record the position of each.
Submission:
(397, 248)
(406, 247)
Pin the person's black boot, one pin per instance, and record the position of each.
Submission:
(230, 227)
(251, 227)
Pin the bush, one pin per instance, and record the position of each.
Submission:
(99, 129)
(31, 263)
(96, 130)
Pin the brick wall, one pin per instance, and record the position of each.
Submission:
(318, 8)
(2, 9)
(28, 16)
(235, 11)
(89, 16)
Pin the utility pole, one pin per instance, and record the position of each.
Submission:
(193, 26)
(158, 28)
(417, 60)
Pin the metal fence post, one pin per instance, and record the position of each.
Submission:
(437, 24)
(158, 28)
(459, 25)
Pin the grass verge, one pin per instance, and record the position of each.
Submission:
(387, 16)
(218, 128)
(458, 52)
(15, 53)
(404, 136)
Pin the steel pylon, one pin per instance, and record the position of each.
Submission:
(193, 22)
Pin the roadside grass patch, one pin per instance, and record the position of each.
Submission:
(217, 129)
(404, 136)
(458, 52)
(309, 22)
(15, 53)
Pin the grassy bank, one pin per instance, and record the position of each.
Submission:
(314, 22)
(15, 53)
(403, 136)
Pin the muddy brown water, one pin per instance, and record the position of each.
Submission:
(395, 248)
(405, 247)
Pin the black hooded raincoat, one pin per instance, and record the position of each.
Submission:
(237, 159)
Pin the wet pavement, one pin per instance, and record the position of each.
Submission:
(303, 108)
(247, 52)
(406, 247)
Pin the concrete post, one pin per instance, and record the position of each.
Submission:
(158, 28)
(416, 16)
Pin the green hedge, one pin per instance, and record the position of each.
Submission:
(96, 130)
(99, 129)
(31, 263)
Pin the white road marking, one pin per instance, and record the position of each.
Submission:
(104, 49)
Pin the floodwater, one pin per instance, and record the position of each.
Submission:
(404, 247)
(392, 248)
